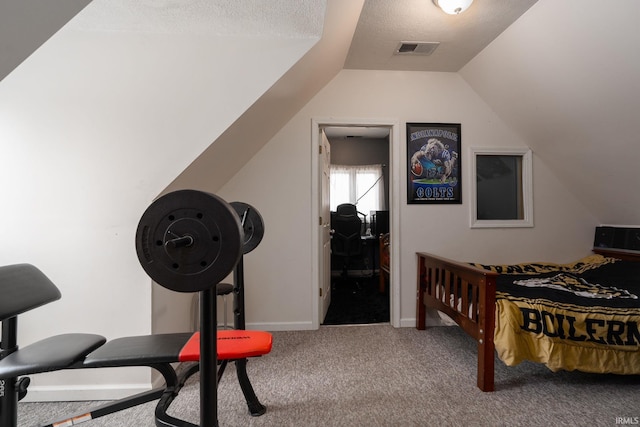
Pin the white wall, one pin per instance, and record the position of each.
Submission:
(565, 77)
(277, 181)
(95, 124)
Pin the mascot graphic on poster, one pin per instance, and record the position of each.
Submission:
(434, 161)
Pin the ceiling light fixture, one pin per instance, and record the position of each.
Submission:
(453, 7)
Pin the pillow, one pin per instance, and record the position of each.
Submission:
(580, 266)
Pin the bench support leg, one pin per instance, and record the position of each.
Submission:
(9, 386)
(255, 407)
(208, 360)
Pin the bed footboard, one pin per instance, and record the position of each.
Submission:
(467, 295)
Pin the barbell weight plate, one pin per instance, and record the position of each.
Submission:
(253, 225)
(189, 240)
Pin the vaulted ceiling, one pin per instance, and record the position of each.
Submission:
(564, 76)
(383, 24)
(26, 25)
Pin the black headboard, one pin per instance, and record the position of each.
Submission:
(614, 237)
(617, 241)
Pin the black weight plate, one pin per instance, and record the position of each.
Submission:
(188, 240)
(253, 225)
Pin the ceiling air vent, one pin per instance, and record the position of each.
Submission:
(416, 48)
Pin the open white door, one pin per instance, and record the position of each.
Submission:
(321, 237)
(325, 226)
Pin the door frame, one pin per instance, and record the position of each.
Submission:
(395, 161)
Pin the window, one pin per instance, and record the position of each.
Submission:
(501, 190)
(360, 185)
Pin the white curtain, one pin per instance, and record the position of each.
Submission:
(360, 185)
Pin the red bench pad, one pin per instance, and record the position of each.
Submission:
(231, 344)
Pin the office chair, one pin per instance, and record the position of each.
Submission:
(345, 239)
(347, 209)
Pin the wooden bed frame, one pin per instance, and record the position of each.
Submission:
(467, 294)
(476, 288)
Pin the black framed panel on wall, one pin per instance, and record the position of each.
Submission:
(433, 163)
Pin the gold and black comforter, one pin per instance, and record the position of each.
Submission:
(579, 316)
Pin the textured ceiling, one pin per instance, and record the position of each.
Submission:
(384, 24)
(25, 25)
(246, 18)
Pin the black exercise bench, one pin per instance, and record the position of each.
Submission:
(23, 288)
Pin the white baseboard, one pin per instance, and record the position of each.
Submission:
(307, 326)
(280, 326)
(433, 318)
(69, 393)
(119, 391)
(408, 323)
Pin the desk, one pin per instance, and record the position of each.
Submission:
(366, 262)
(385, 261)
(371, 241)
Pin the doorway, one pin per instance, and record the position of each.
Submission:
(359, 159)
(319, 266)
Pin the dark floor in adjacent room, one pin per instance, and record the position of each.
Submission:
(357, 301)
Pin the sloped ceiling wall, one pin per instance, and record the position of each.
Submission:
(251, 131)
(25, 25)
(98, 120)
(565, 77)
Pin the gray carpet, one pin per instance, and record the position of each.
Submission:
(376, 375)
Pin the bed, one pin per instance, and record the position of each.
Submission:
(577, 316)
